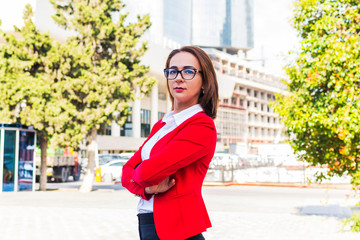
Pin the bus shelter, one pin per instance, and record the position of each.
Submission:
(17, 158)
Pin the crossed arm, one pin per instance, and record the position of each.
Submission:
(144, 178)
(164, 186)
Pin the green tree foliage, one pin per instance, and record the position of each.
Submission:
(321, 112)
(103, 63)
(353, 222)
(29, 87)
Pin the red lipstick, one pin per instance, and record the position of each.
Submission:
(179, 89)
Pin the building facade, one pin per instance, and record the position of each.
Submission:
(245, 114)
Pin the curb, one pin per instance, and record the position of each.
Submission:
(265, 184)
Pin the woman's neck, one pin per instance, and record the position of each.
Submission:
(178, 108)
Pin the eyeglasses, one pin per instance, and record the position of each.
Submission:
(186, 73)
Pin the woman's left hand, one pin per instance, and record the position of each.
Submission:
(164, 186)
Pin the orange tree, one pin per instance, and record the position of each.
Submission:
(322, 106)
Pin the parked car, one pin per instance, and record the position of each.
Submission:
(105, 158)
(126, 155)
(112, 169)
(254, 160)
(229, 161)
(110, 164)
(83, 164)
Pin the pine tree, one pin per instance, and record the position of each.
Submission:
(30, 88)
(103, 70)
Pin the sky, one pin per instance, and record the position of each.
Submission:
(11, 13)
(273, 34)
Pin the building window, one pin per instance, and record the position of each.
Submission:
(145, 122)
(162, 96)
(104, 129)
(226, 100)
(126, 129)
(234, 101)
(145, 130)
(145, 116)
(107, 130)
(248, 91)
(160, 115)
(129, 119)
(255, 93)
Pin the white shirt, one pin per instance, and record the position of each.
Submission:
(172, 121)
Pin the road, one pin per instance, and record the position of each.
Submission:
(236, 212)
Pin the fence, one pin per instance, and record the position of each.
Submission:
(240, 173)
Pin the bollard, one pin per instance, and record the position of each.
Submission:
(232, 172)
(98, 174)
(222, 173)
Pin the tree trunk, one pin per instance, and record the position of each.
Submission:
(43, 165)
(87, 184)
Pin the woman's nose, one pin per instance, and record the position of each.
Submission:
(179, 78)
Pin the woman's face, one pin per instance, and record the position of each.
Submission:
(185, 92)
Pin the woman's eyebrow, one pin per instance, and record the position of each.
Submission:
(183, 67)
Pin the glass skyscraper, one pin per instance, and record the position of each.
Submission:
(210, 23)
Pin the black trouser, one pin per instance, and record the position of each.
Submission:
(147, 229)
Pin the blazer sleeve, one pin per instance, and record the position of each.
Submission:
(194, 141)
(130, 165)
(126, 180)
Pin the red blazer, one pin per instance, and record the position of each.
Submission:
(184, 154)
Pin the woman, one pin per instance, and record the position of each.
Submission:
(168, 170)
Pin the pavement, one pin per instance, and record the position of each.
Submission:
(237, 212)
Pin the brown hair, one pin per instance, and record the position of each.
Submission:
(209, 99)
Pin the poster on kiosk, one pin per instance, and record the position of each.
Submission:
(26, 160)
(17, 145)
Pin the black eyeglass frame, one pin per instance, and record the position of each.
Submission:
(181, 72)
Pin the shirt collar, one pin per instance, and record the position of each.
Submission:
(182, 116)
